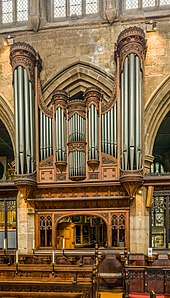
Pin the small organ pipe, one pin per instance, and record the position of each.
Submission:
(112, 132)
(45, 137)
(21, 118)
(50, 136)
(103, 133)
(96, 133)
(109, 128)
(138, 129)
(132, 109)
(115, 129)
(89, 133)
(32, 127)
(125, 118)
(47, 128)
(41, 136)
(16, 118)
(27, 121)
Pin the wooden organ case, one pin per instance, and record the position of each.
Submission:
(79, 159)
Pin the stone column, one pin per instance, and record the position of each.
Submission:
(139, 223)
(25, 224)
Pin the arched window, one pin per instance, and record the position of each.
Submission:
(134, 4)
(14, 11)
(73, 8)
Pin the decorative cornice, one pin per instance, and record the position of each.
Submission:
(22, 54)
(131, 40)
(77, 146)
(93, 95)
(60, 98)
(76, 106)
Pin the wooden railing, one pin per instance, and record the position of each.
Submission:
(145, 279)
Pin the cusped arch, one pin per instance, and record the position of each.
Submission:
(79, 76)
(80, 213)
(7, 117)
(156, 109)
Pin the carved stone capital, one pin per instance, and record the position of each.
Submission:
(22, 54)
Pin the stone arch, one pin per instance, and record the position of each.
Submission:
(79, 76)
(7, 117)
(156, 109)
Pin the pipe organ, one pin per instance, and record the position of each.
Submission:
(23, 58)
(81, 138)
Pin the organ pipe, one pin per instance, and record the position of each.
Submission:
(45, 135)
(93, 133)
(27, 121)
(24, 122)
(109, 131)
(16, 119)
(60, 135)
(131, 114)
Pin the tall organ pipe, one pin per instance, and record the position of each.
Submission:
(27, 121)
(93, 133)
(60, 135)
(131, 113)
(16, 119)
(21, 119)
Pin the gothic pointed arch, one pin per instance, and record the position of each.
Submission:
(156, 109)
(7, 117)
(76, 78)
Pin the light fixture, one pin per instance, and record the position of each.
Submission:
(151, 26)
(9, 40)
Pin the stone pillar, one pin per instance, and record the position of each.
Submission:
(139, 223)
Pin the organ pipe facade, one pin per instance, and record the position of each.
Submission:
(86, 137)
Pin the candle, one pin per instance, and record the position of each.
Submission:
(16, 256)
(63, 243)
(53, 257)
(33, 244)
(5, 243)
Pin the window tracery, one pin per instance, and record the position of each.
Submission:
(14, 11)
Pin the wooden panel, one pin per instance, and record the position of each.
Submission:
(136, 281)
(155, 281)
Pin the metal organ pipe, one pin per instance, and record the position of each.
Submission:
(45, 135)
(27, 121)
(131, 114)
(21, 119)
(109, 131)
(60, 135)
(16, 118)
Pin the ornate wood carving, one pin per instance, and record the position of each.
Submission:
(131, 40)
(93, 96)
(45, 163)
(42, 106)
(131, 180)
(26, 184)
(22, 54)
(60, 99)
(77, 146)
(76, 106)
